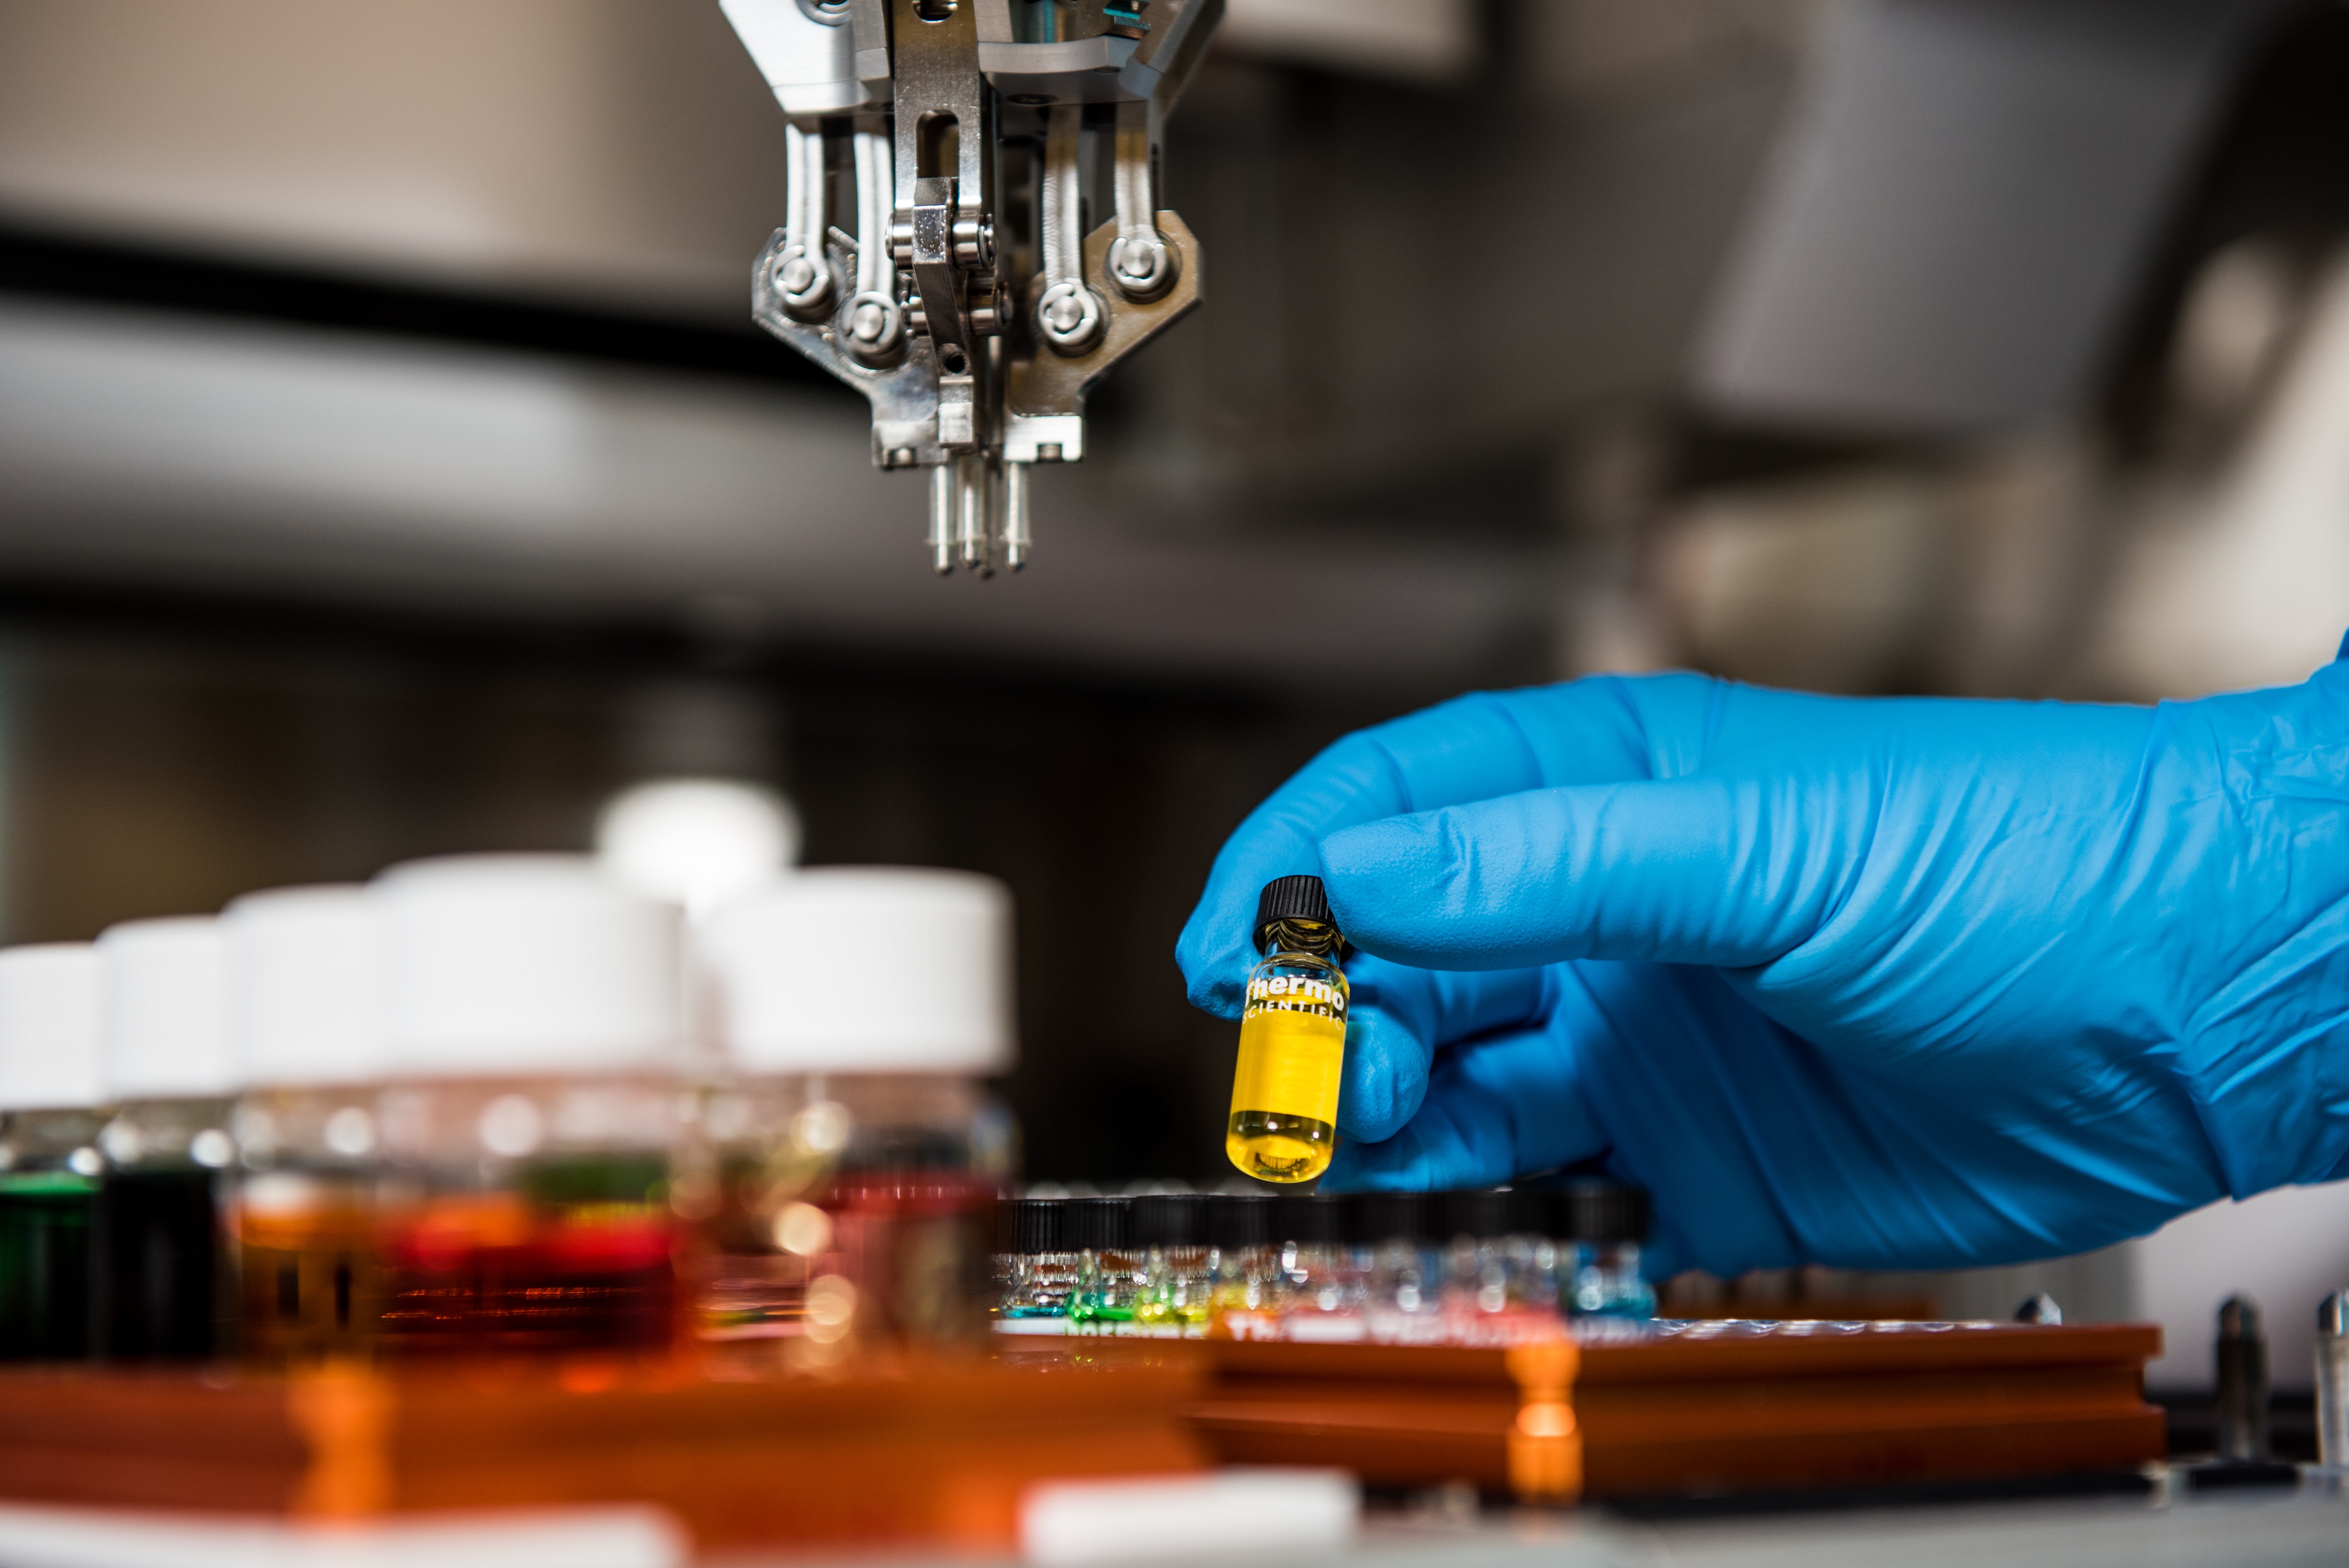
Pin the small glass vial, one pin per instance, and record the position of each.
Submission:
(534, 1116)
(1170, 1232)
(49, 1162)
(1109, 1275)
(1503, 1267)
(1400, 1237)
(1284, 1120)
(854, 1152)
(1322, 1295)
(1035, 1271)
(1606, 1223)
(303, 1007)
(163, 1279)
(1244, 1279)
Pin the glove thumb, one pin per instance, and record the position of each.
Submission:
(1730, 872)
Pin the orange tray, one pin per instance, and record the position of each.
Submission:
(1696, 1408)
(905, 1450)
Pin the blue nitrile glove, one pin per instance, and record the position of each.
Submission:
(1893, 982)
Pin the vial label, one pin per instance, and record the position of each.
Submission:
(1324, 1328)
(1285, 1091)
(1295, 994)
(1261, 1326)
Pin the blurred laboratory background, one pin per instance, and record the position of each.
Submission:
(389, 465)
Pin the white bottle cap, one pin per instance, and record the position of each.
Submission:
(302, 1000)
(49, 1026)
(865, 969)
(525, 965)
(698, 841)
(162, 1009)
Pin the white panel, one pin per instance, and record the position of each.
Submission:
(144, 448)
(2287, 1249)
(1431, 40)
(811, 65)
(2249, 586)
(607, 146)
(1954, 217)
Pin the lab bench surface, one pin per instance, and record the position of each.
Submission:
(2298, 1528)
(2282, 1528)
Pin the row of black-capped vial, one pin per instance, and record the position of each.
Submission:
(1597, 1213)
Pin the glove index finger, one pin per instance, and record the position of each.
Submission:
(1730, 872)
(1471, 749)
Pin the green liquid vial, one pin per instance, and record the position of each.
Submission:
(1284, 1121)
(50, 1167)
(1108, 1277)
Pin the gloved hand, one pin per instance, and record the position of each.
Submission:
(1890, 982)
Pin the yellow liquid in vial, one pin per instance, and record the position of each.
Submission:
(1285, 1094)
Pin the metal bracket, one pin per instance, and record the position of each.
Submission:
(1041, 394)
(904, 397)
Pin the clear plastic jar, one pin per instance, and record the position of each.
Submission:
(833, 1205)
(162, 1279)
(851, 1155)
(528, 1215)
(303, 1009)
(534, 1111)
(306, 1201)
(49, 1162)
(49, 1167)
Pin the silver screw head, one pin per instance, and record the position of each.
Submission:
(1068, 316)
(1142, 267)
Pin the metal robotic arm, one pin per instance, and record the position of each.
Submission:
(936, 255)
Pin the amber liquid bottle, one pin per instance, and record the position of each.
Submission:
(1284, 1121)
(303, 1003)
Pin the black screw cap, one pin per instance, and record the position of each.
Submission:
(1239, 1220)
(1028, 1226)
(1600, 1212)
(1483, 1215)
(1169, 1220)
(1292, 898)
(1309, 1217)
(1095, 1224)
(1414, 1219)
